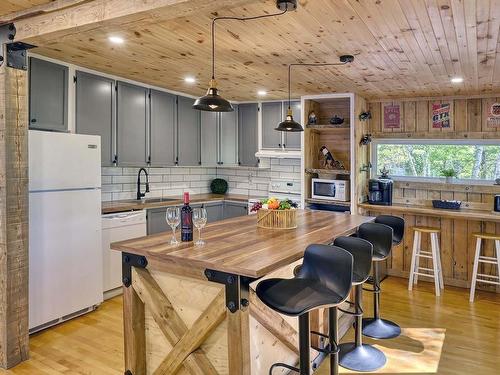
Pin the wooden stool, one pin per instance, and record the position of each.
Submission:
(478, 258)
(436, 271)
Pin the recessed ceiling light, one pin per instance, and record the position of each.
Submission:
(457, 80)
(262, 93)
(116, 39)
(190, 80)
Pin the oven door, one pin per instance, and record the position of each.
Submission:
(325, 189)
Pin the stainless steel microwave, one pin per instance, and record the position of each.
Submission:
(334, 190)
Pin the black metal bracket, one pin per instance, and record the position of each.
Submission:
(17, 57)
(129, 261)
(237, 288)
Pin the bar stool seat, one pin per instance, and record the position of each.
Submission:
(296, 296)
(478, 258)
(427, 229)
(323, 280)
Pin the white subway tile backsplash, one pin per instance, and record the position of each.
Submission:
(120, 183)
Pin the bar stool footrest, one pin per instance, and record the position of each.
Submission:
(284, 365)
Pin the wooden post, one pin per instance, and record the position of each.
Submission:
(13, 217)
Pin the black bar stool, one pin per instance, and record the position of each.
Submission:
(381, 237)
(324, 280)
(396, 223)
(356, 355)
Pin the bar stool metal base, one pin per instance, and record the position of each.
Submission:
(380, 328)
(364, 358)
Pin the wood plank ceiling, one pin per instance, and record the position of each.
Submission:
(403, 48)
(9, 6)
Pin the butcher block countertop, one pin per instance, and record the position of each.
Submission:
(133, 205)
(238, 246)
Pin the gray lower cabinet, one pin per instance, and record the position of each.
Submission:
(209, 138)
(188, 133)
(272, 113)
(215, 211)
(48, 95)
(132, 123)
(156, 221)
(163, 119)
(95, 111)
(235, 209)
(247, 134)
(292, 139)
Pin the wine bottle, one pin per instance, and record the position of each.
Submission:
(186, 220)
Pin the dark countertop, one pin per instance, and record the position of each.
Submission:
(134, 205)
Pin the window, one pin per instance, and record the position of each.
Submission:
(470, 159)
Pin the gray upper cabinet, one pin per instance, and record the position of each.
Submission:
(95, 110)
(272, 113)
(163, 119)
(210, 138)
(132, 122)
(247, 134)
(188, 130)
(292, 139)
(48, 95)
(228, 149)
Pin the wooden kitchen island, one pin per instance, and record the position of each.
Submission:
(193, 310)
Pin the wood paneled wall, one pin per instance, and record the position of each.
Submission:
(468, 119)
(13, 217)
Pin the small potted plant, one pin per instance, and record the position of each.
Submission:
(449, 174)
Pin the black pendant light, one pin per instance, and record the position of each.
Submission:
(212, 101)
(290, 125)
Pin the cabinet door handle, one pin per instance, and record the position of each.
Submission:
(33, 120)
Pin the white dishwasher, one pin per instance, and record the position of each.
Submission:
(118, 227)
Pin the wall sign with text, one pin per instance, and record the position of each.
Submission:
(392, 116)
(441, 115)
(493, 119)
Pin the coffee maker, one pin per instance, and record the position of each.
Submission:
(380, 191)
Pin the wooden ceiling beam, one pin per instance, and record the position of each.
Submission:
(72, 16)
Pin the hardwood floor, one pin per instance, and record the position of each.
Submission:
(445, 335)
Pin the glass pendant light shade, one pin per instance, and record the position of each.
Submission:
(212, 101)
(289, 125)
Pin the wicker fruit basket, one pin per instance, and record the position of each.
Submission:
(277, 219)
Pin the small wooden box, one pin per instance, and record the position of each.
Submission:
(277, 219)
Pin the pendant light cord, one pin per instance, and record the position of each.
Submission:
(304, 64)
(214, 20)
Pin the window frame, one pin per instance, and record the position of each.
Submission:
(438, 141)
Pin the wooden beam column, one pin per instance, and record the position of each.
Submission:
(13, 217)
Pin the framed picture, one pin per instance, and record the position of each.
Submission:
(392, 116)
(441, 115)
(493, 116)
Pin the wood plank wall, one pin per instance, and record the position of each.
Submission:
(457, 241)
(13, 217)
(468, 119)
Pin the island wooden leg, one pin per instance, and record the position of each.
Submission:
(134, 330)
(238, 342)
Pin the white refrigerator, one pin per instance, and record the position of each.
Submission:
(65, 260)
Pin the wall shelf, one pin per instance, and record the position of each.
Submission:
(345, 125)
(326, 201)
(328, 171)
